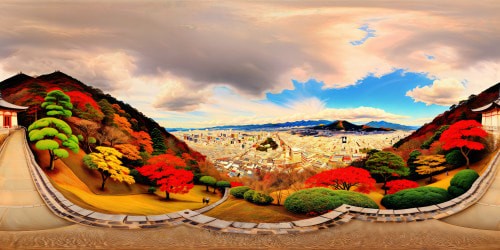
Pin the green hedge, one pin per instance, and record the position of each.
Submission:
(248, 195)
(321, 200)
(415, 197)
(455, 158)
(261, 199)
(462, 181)
(238, 192)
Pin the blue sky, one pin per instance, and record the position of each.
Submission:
(387, 92)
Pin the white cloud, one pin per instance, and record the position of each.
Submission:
(443, 92)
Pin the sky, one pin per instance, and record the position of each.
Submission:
(208, 63)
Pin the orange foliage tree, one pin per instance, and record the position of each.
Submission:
(129, 151)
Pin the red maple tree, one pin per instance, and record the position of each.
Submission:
(168, 173)
(343, 179)
(398, 185)
(461, 135)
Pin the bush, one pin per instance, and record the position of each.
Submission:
(321, 200)
(238, 192)
(248, 195)
(152, 190)
(415, 197)
(462, 182)
(223, 184)
(455, 158)
(261, 199)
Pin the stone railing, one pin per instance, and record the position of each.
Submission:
(343, 214)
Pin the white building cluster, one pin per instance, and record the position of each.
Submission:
(234, 152)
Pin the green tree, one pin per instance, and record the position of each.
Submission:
(159, 146)
(108, 111)
(57, 104)
(222, 185)
(208, 181)
(54, 135)
(411, 164)
(386, 164)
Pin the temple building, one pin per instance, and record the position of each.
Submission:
(8, 113)
(491, 118)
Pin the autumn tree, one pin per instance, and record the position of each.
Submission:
(462, 135)
(208, 181)
(142, 140)
(398, 185)
(88, 130)
(54, 135)
(108, 163)
(429, 164)
(343, 179)
(129, 151)
(168, 174)
(386, 164)
(57, 104)
(159, 146)
(111, 136)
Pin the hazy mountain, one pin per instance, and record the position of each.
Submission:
(395, 126)
(267, 126)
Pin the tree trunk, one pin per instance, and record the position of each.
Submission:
(465, 156)
(104, 178)
(206, 187)
(52, 159)
(214, 189)
(430, 179)
(167, 195)
(384, 186)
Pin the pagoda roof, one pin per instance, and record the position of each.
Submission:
(7, 105)
(494, 104)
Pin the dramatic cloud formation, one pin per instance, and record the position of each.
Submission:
(186, 50)
(443, 92)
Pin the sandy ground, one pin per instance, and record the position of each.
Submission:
(354, 235)
(21, 207)
(485, 214)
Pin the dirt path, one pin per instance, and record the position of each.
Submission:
(21, 207)
(485, 214)
(353, 235)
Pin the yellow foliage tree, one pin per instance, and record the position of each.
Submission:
(129, 151)
(430, 164)
(108, 163)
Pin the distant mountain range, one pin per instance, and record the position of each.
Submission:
(395, 126)
(371, 126)
(267, 126)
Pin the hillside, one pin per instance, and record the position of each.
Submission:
(460, 111)
(111, 121)
(347, 126)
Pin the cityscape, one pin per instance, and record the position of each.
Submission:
(234, 152)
